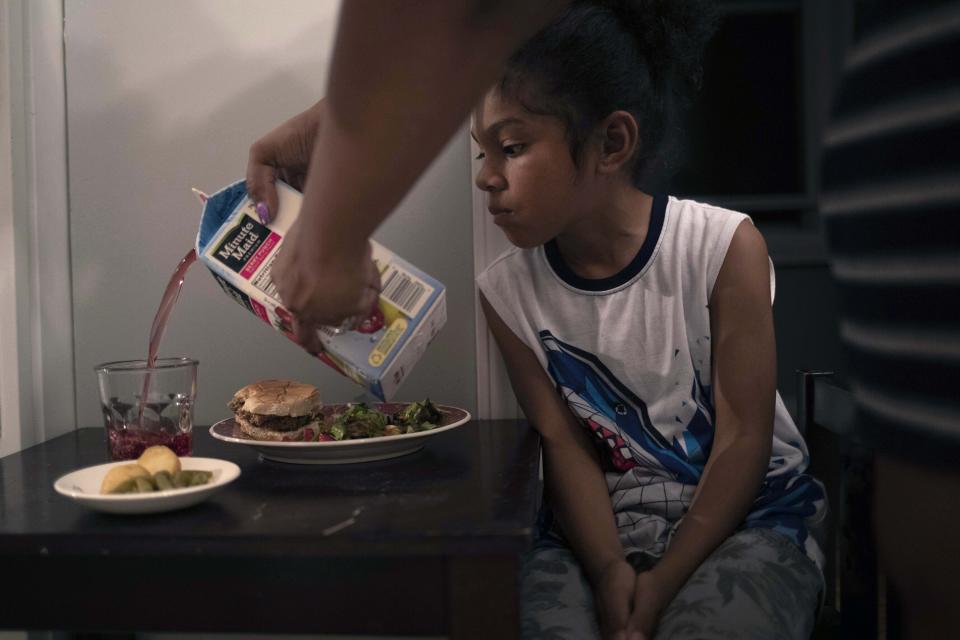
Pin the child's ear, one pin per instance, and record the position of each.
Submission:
(620, 137)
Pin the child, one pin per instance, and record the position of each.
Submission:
(638, 334)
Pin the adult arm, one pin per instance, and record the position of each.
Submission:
(403, 78)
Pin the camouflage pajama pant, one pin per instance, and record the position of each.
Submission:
(757, 585)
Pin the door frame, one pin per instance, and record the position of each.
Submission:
(37, 391)
(495, 398)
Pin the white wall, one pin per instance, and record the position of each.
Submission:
(163, 95)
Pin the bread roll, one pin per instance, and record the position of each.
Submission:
(118, 475)
(278, 397)
(159, 458)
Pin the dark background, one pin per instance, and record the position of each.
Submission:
(752, 145)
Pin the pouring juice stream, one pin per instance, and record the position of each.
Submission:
(127, 442)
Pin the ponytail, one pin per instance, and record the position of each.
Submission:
(601, 56)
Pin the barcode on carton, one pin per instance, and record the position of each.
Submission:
(404, 290)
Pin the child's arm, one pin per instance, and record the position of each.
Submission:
(744, 379)
(578, 492)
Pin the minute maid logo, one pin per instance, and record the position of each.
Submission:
(240, 243)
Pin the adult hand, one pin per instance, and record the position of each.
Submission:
(650, 597)
(317, 290)
(614, 598)
(283, 153)
(323, 289)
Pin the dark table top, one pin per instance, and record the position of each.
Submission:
(472, 490)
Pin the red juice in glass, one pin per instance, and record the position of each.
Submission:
(127, 443)
(150, 402)
(164, 416)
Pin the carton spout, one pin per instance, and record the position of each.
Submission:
(201, 196)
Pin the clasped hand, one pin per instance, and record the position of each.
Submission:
(628, 603)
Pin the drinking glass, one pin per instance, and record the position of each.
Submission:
(145, 406)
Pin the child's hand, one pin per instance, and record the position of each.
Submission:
(614, 595)
(649, 599)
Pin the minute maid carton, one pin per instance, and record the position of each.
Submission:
(239, 250)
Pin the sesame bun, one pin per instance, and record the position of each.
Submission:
(278, 398)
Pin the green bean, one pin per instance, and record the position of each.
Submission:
(144, 485)
(182, 479)
(163, 480)
(200, 478)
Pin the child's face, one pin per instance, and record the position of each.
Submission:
(534, 190)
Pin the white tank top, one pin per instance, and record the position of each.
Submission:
(630, 354)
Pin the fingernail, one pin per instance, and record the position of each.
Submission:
(263, 212)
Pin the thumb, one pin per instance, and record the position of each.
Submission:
(306, 333)
(372, 272)
(614, 604)
(261, 184)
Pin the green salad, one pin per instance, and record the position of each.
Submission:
(363, 421)
(419, 416)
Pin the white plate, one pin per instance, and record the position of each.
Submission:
(83, 486)
(344, 451)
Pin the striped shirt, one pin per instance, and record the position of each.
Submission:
(891, 212)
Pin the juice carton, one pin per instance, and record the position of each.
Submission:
(239, 250)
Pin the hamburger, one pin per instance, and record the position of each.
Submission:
(281, 410)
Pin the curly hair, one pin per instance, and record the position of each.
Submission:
(601, 56)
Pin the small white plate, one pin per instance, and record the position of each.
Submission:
(344, 451)
(83, 487)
